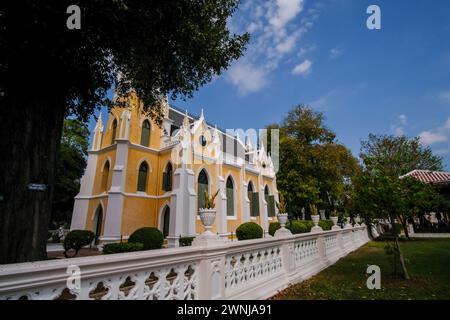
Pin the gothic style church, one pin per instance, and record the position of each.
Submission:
(141, 175)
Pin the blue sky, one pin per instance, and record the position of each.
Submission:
(395, 80)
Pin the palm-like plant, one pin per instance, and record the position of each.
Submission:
(281, 204)
(313, 209)
(209, 201)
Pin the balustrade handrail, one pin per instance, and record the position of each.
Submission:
(29, 276)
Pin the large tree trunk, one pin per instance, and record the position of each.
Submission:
(31, 128)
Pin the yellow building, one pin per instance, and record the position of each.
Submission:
(139, 174)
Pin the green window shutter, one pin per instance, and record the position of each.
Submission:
(230, 202)
(169, 181)
(255, 204)
(145, 133)
(164, 181)
(271, 207)
(142, 177)
(201, 194)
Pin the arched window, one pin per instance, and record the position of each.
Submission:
(98, 221)
(230, 197)
(203, 186)
(145, 133)
(254, 200)
(114, 129)
(105, 176)
(167, 178)
(166, 221)
(142, 177)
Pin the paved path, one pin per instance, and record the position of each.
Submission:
(430, 235)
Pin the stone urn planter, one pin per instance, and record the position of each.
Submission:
(207, 216)
(315, 218)
(357, 220)
(335, 221)
(282, 232)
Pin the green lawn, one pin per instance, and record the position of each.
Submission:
(428, 262)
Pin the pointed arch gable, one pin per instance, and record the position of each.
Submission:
(144, 159)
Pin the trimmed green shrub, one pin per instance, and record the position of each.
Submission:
(186, 241)
(273, 227)
(297, 226)
(308, 223)
(249, 230)
(122, 247)
(150, 237)
(75, 240)
(326, 224)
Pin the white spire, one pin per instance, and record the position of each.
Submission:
(201, 115)
(99, 125)
(186, 120)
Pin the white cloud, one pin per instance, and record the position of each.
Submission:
(438, 135)
(399, 128)
(303, 68)
(403, 120)
(429, 138)
(335, 53)
(445, 96)
(276, 28)
(247, 78)
(285, 11)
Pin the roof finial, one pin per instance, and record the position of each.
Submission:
(186, 120)
(201, 115)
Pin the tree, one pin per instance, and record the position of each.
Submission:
(380, 192)
(70, 165)
(396, 156)
(152, 48)
(380, 197)
(314, 167)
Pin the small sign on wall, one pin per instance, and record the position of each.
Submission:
(37, 187)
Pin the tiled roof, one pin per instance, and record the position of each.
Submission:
(428, 176)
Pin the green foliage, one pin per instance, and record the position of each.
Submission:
(209, 201)
(273, 227)
(76, 239)
(396, 156)
(325, 224)
(70, 166)
(308, 223)
(397, 228)
(150, 237)
(122, 247)
(297, 226)
(186, 241)
(314, 167)
(249, 230)
(334, 213)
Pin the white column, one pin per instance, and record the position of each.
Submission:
(114, 211)
(221, 205)
(81, 204)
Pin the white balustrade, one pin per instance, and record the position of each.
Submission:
(252, 269)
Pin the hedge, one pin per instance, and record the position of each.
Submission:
(150, 237)
(186, 241)
(76, 239)
(273, 227)
(298, 226)
(249, 230)
(326, 224)
(122, 247)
